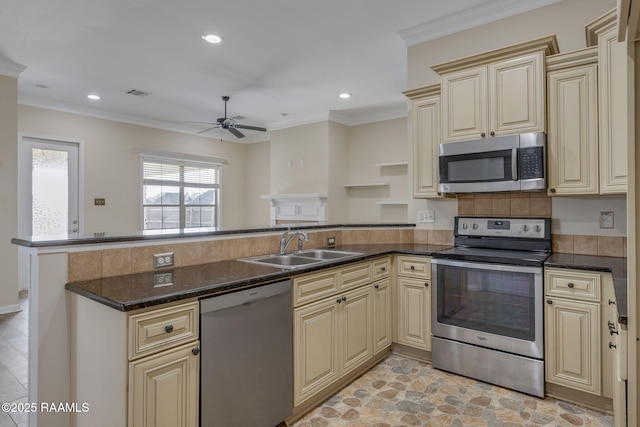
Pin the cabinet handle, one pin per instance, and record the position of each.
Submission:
(426, 284)
(553, 190)
(338, 300)
(612, 345)
(492, 133)
(383, 268)
(344, 298)
(612, 302)
(168, 329)
(195, 351)
(376, 286)
(549, 302)
(412, 267)
(483, 134)
(570, 285)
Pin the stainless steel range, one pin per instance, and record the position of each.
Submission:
(487, 304)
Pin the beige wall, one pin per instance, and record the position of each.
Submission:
(307, 143)
(8, 193)
(337, 172)
(258, 183)
(565, 19)
(371, 144)
(112, 168)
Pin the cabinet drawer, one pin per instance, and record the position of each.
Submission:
(573, 284)
(161, 329)
(311, 287)
(381, 268)
(419, 267)
(356, 275)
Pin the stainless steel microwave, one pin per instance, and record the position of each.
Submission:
(504, 163)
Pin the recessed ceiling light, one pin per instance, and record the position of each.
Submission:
(93, 97)
(345, 95)
(212, 38)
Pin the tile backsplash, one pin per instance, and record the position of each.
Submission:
(589, 245)
(508, 204)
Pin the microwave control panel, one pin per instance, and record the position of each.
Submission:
(531, 162)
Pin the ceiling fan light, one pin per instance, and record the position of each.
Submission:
(212, 38)
(345, 95)
(93, 97)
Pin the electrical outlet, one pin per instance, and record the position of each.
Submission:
(426, 217)
(331, 242)
(162, 279)
(163, 260)
(606, 219)
(99, 201)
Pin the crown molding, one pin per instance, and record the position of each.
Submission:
(341, 118)
(469, 18)
(11, 69)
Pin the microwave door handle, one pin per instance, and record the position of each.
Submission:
(514, 164)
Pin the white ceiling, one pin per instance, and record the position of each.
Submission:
(277, 56)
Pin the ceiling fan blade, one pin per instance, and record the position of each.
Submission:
(250, 127)
(235, 132)
(207, 130)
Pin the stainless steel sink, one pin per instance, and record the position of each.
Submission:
(326, 254)
(300, 259)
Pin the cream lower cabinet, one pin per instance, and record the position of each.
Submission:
(336, 335)
(164, 389)
(414, 301)
(577, 351)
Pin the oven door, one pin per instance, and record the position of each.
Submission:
(489, 305)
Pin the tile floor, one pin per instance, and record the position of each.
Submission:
(404, 392)
(13, 362)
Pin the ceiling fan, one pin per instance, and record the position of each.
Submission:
(229, 124)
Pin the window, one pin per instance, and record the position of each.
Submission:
(179, 194)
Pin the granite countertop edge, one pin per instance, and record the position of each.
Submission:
(227, 276)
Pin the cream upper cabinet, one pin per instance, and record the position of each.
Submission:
(614, 79)
(425, 137)
(495, 93)
(572, 140)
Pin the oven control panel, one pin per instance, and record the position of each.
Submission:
(501, 227)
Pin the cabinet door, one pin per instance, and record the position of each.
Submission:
(381, 315)
(414, 313)
(516, 95)
(164, 390)
(464, 104)
(613, 112)
(572, 344)
(573, 131)
(425, 126)
(356, 328)
(315, 348)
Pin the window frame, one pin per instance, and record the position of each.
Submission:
(176, 159)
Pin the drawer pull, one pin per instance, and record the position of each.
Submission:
(570, 285)
(612, 345)
(195, 351)
(412, 267)
(168, 329)
(383, 268)
(612, 302)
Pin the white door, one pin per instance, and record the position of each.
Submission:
(49, 188)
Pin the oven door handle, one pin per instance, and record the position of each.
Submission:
(486, 266)
(514, 164)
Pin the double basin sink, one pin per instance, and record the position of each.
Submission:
(300, 259)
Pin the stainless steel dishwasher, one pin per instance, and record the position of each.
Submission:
(246, 363)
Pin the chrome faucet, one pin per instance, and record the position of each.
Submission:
(284, 241)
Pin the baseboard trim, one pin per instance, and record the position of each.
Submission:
(8, 309)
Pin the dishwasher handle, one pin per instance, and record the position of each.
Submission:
(247, 296)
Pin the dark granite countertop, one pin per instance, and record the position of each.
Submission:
(98, 238)
(136, 291)
(617, 266)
